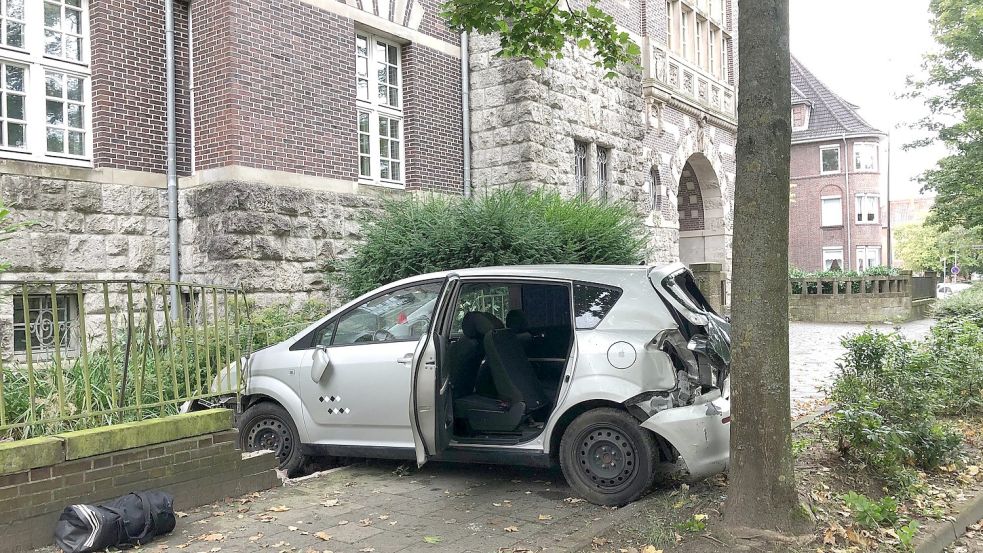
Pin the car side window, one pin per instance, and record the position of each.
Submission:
(398, 316)
(592, 303)
(485, 297)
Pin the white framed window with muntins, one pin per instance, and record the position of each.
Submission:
(868, 208)
(829, 159)
(833, 258)
(865, 156)
(379, 105)
(832, 211)
(45, 89)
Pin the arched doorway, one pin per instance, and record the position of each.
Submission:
(702, 226)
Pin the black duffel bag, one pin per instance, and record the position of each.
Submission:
(133, 519)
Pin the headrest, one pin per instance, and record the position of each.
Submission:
(477, 323)
(516, 320)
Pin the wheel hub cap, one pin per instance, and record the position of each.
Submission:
(607, 458)
(270, 434)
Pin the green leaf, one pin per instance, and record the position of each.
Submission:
(583, 43)
(432, 539)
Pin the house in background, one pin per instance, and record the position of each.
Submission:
(836, 179)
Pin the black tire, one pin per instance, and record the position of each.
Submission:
(607, 457)
(266, 425)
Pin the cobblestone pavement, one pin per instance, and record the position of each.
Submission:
(814, 349)
(384, 507)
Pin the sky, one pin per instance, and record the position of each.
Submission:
(863, 50)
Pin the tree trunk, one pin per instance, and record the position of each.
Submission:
(762, 485)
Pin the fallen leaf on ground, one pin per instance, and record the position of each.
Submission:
(699, 516)
(211, 537)
(367, 549)
(432, 539)
(574, 500)
(545, 517)
(292, 528)
(342, 522)
(218, 513)
(383, 517)
(650, 549)
(180, 514)
(256, 537)
(279, 509)
(322, 536)
(511, 529)
(365, 521)
(330, 503)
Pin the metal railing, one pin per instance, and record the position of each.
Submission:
(924, 287)
(86, 353)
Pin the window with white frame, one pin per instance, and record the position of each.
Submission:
(45, 98)
(723, 57)
(868, 256)
(700, 35)
(833, 259)
(865, 156)
(711, 52)
(868, 206)
(379, 105)
(829, 159)
(580, 150)
(684, 32)
(832, 211)
(670, 24)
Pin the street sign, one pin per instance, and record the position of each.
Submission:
(955, 269)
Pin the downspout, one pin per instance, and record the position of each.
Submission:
(890, 253)
(850, 200)
(466, 113)
(172, 191)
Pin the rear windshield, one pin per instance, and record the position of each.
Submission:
(591, 303)
(686, 291)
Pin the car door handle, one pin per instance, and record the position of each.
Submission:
(406, 359)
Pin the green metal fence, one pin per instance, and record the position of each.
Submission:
(79, 354)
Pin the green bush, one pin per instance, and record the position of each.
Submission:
(871, 514)
(888, 396)
(965, 304)
(794, 272)
(511, 226)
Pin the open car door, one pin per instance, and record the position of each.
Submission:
(431, 417)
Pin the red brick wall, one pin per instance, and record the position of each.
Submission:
(806, 235)
(128, 85)
(690, 201)
(432, 100)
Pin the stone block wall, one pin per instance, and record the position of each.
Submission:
(192, 456)
(885, 299)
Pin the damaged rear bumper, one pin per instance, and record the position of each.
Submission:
(700, 433)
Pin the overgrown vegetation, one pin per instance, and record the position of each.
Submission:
(892, 393)
(161, 372)
(966, 304)
(511, 226)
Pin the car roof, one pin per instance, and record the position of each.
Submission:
(604, 274)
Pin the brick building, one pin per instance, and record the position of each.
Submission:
(295, 116)
(834, 217)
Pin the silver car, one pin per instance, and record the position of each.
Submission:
(616, 373)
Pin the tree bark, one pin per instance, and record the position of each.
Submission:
(762, 491)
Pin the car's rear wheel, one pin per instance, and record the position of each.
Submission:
(607, 457)
(266, 425)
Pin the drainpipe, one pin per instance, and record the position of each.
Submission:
(890, 253)
(172, 192)
(466, 113)
(848, 254)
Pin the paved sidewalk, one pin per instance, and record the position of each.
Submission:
(383, 507)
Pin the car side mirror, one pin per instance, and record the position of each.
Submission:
(320, 364)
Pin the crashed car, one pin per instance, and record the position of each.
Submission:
(615, 373)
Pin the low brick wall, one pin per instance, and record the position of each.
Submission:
(851, 300)
(192, 456)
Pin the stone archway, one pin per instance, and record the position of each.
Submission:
(702, 213)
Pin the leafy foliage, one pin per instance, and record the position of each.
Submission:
(869, 513)
(889, 394)
(512, 226)
(829, 276)
(952, 88)
(539, 29)
(966, 304)
(922, 246)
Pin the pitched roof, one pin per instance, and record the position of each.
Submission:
(831, 116)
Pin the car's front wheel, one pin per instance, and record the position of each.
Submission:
(607, 457)
(266, 425)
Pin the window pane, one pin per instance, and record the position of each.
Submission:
(361, 46)
(15, 34)
(362, 67)
(393, 76)
(73, 48)
(394, 149)
(52, 43)
(592, 303)
(52, 85)
(74, 3)
(363, 89)
(75, 116)
(73, 21)
(75, 89)
(364, 166)
(55, 111)
(383, 126)
(15, 107)
(393, 55)
(394, 97)
(363, 144)
(394, 128)
(76, 143)
(395, 170)
(52, 16)
(56, 140)
(15, 135)
(363, 121)
(403, 315)
(15, 78)
(15, 9)
(384, 169)
(830, 159)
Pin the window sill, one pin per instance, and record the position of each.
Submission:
(824, 173)
(382, 184)
(8, 48)
(868, 223)
(831, 227)
(51, 159)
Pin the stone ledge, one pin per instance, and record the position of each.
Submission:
(22, 455)
(88, 443)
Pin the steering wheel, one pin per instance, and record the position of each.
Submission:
(383, 335)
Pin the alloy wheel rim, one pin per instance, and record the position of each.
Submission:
(272, 434)
(606, 458)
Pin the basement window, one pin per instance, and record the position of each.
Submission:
(42, 319)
